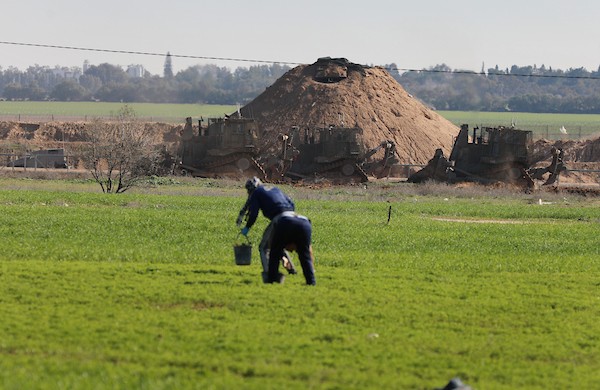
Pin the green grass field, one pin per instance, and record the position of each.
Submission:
(543, 125)
(89, 110)
(140, 290)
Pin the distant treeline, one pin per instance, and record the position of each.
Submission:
(206, 84)
(521, 89)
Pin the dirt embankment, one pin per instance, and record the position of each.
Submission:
(581, 151)
(35, 136)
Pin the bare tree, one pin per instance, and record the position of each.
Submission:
(119, 154)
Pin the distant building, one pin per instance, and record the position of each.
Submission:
(136, 71)
(67, 73)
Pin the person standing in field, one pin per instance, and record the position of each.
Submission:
(273, 202)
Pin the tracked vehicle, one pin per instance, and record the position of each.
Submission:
(226, 147)
(490, 154)
(494, 154)
(332, 152)
(336, 153)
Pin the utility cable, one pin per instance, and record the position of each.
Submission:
(472, 73)
(145, 53)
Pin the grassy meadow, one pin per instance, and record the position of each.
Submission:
(140, 290)
(543, 125)
(89, 110)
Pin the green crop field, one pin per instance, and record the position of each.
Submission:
(543, 125)
(88, 110)
(140, 290)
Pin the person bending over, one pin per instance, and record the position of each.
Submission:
(273, 202)
(291, 232)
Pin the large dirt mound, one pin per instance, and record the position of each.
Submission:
(354, 95)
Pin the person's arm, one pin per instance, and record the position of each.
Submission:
(253, 208)
(242, 213)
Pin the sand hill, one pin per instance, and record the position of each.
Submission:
(337, 92)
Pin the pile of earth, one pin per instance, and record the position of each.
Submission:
(46, 135)
(19, 138)
(580, 151)
(340, 93)
(581, 157)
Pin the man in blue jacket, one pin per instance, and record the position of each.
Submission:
(273, 202)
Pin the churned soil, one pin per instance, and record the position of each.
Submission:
(579, 151)
(44, 135)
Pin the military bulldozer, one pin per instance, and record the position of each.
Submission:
(490, 154)
(226, 147)
(335, 153)
(384, 166)
(332, 152)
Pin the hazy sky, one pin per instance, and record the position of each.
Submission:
(463, 34)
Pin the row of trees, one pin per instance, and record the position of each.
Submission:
(524, 89)
(529, 88)
(208, 84)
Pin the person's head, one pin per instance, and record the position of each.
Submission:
(252, 184)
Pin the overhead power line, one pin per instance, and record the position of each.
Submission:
(465, 72)
(468, 72)
(145, 53)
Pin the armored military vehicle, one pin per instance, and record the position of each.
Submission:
(226, 147)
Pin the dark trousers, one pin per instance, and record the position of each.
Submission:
(295, 230)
